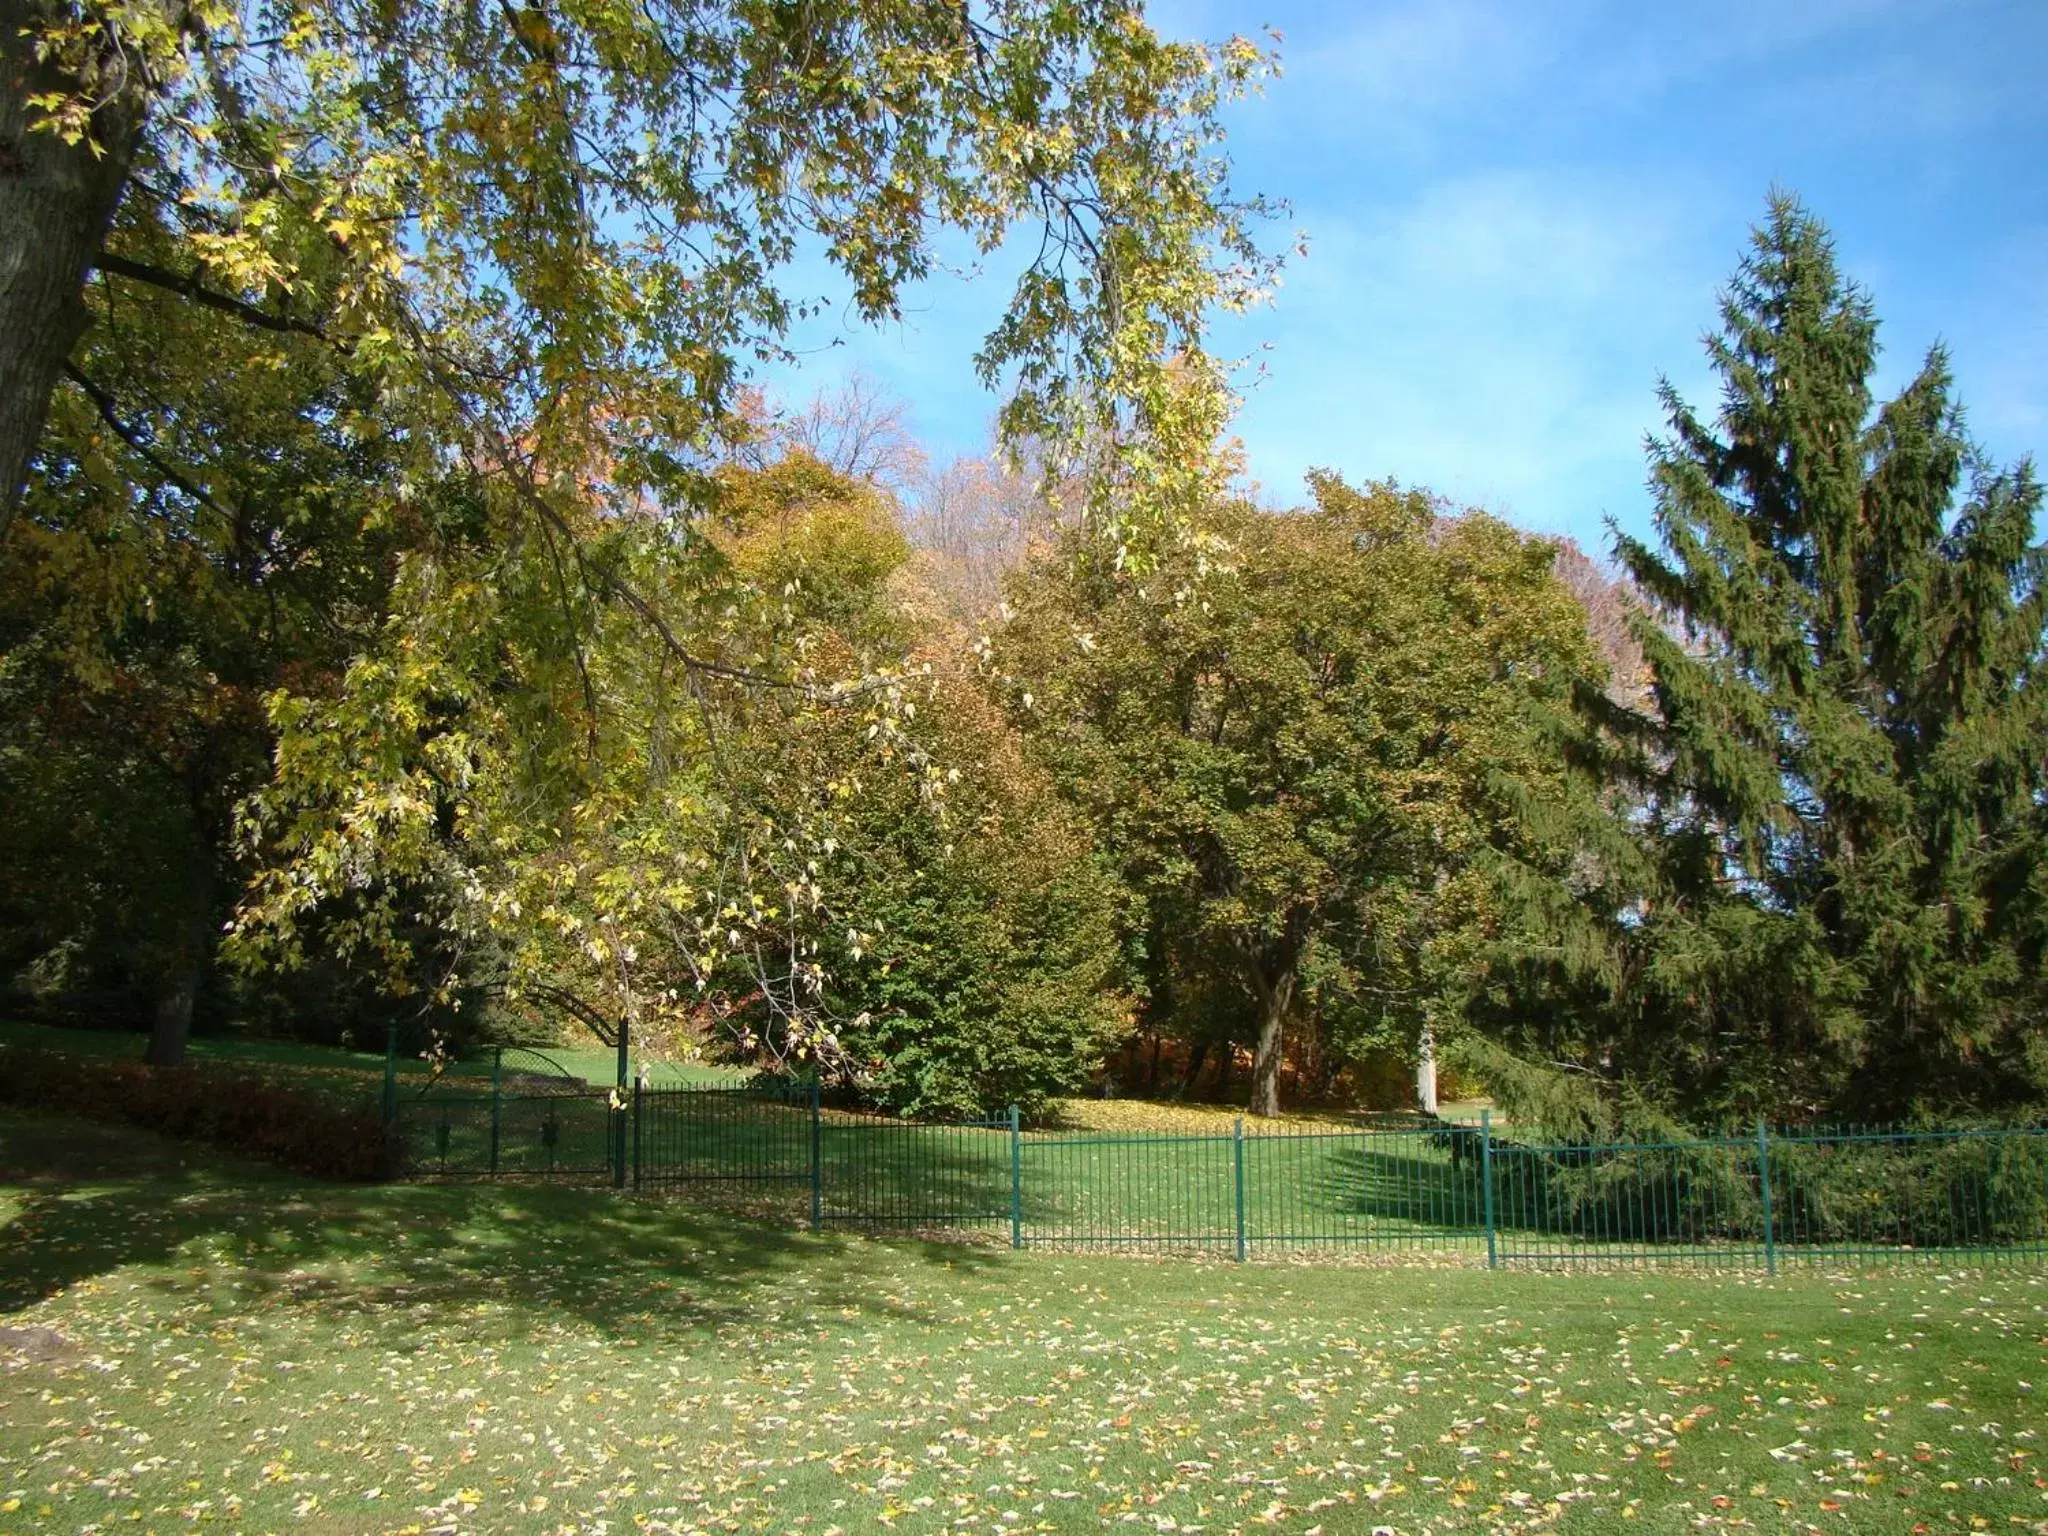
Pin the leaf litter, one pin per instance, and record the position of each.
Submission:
(256, 1355)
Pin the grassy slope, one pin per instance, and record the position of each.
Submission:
(235, 1347)
(365, 1069)
(326, 1064)
(1302, 1185)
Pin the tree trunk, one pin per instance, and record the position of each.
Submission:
(185, 959)
(1276, 997)
(1425, 1071)
(56, 201)
(1198, 1059)
(172, 1026)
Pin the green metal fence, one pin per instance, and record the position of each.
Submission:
(558, 1135)
(1751, 1198)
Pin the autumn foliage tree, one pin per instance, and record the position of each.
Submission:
(971, 944)
(1304, 737)
(529, 254)
(196, 537)
(550, 235)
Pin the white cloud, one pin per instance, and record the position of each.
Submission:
(1519, 216)
(1497, 338)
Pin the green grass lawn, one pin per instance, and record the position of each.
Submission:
(1314, 1185)
(599, 1066)
(236, 1050)
(347, 1071)
(186, 1342)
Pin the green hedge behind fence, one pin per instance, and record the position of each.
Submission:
(1754, 1197)
(239, 1109)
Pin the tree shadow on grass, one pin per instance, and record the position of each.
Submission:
(82, 1201)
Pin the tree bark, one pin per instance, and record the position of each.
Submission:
(189, 944)
(1196, 1061)
(56, 202)
(172, 1026)
(1276, 999)
(1425, 1071)
(178, 985)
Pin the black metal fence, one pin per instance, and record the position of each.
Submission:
(1760, 1197)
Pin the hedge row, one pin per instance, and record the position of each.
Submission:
(237, 1111)
(1986, 1188)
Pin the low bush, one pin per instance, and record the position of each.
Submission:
(1927, 1190)
(238, 1111)
(1958, 1188)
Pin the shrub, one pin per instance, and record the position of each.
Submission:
(238, 1111)
(1958, 1188)
(978, 962)
(1926, 1190)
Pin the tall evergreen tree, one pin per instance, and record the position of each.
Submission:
(1847, 760)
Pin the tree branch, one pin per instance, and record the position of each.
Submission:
(189, 287)
(586, 1013)
(104, 403)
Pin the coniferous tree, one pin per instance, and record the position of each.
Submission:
(1847, 758)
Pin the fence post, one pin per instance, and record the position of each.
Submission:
(1016, 1182)
(817, 1160)
(390, 1075)
(619, 1113)
(636, 1133)
(1237, 1180)
(1486, 1183)
(497, 1074)
(1763, 1173)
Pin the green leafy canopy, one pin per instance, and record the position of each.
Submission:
(535, 249)
(1306, 739)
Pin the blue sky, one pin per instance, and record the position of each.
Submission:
(1519, 214)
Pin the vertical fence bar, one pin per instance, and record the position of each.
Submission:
(619, 1109)
(636, 1133)
(817, 1159)
(1486, 1184)
(1016, 1182)
(1365, 1176)
(1237, 1164)
(497, 1075)
(2040, 1231)
(1763, 1171)
(390, 1074)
